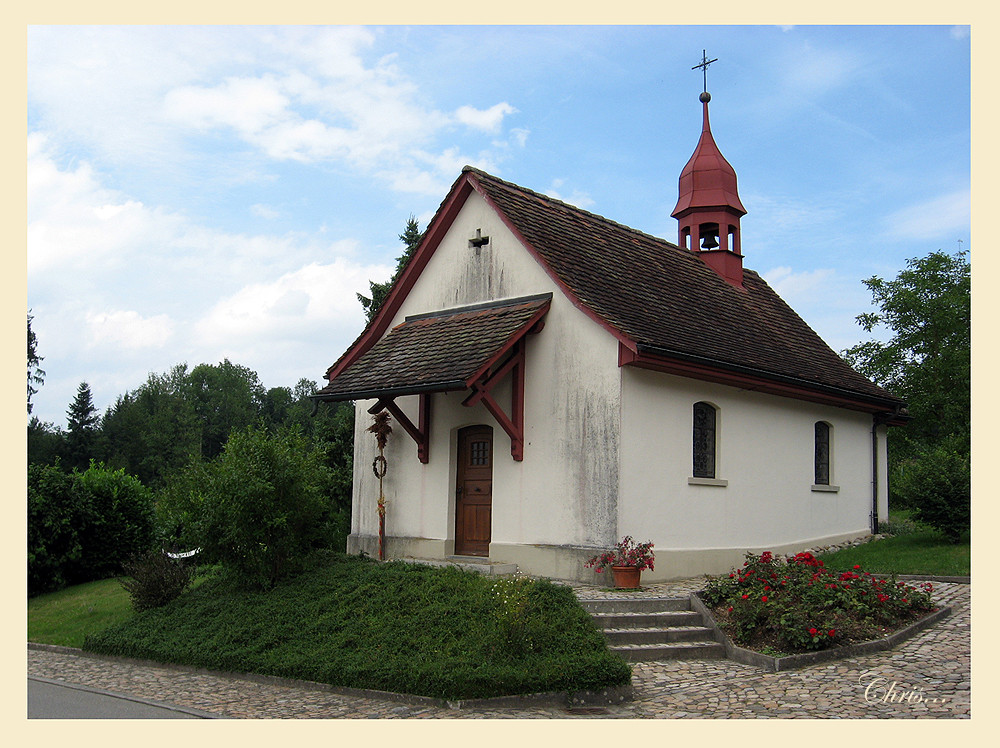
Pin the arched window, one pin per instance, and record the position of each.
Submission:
(822, 454)
(704, 440)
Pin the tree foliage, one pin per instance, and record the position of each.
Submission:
(35, 374)
(153, 430)
(258, 508)
(82, 419)
(411, 238)
(225, 397)
(927, 311)
(926, 361)
(83, 526)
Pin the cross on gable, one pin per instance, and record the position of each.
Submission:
(479, 240)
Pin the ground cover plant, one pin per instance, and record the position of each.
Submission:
(796, 604)
(399, 627)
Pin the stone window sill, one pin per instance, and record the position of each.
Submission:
(825, 489)
(707, 482)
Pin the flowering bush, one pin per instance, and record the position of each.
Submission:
(626, 553)
(796, 604)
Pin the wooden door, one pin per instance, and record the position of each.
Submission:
(474, 491)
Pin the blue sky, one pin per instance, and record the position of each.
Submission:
(200, 193)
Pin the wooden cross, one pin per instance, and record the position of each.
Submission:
(705, 62)
(479, 240)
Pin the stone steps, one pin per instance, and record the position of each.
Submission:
(642, 629)
(469, 563)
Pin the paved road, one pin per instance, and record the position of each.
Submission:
(48, 699)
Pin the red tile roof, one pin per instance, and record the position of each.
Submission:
(669, 303)
(662, 302)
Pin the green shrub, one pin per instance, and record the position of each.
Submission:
(938, 486)
(83, 526)
(56, 508)
(120, 521)
(259, 508)
(154, 579)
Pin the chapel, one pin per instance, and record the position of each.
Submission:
(555, 381)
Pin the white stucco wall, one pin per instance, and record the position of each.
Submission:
(764, 453)
(564, 492)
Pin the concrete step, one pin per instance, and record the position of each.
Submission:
(635, 605)
(662, 619)
(674, 651)
(620, 637)
(469, 563)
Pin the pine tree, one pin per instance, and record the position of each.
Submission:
(410, 237)
(35, 374)
(82, 418)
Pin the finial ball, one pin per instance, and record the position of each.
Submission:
(704, 97)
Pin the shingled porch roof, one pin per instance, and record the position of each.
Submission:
(439, 351)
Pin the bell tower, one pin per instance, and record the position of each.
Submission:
(708, 209)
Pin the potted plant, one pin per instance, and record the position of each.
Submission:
(626, 562)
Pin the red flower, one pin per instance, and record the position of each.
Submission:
(746, 596)
(730, 609)
(831, 632)
(813, 632)
(857, 566)
(764, 599)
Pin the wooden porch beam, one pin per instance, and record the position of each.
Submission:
(421, 434)
(483, 392)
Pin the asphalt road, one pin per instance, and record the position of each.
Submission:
(49, 699)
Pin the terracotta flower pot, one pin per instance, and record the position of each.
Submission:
(626, 577)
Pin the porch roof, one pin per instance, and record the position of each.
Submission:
(438, 351)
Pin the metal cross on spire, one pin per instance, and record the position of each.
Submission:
(705, 62)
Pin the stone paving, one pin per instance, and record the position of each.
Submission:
(927, 676)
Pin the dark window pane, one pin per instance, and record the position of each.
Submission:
(822, 454)
(704, 440)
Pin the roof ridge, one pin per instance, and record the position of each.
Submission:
(481, 306)
(569, 206)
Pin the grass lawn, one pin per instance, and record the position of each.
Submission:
(915, 549)
(67, 616)
(399, 627)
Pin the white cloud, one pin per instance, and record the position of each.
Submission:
(488, 120)
(298, 306)
(293, 94)
(576, 197)
(793, 287)
(812, 71)
(120, 287)
(75, 221)
(960, 32)
(944, 217)
(265, 211)
(248, 105)
(128, 329)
